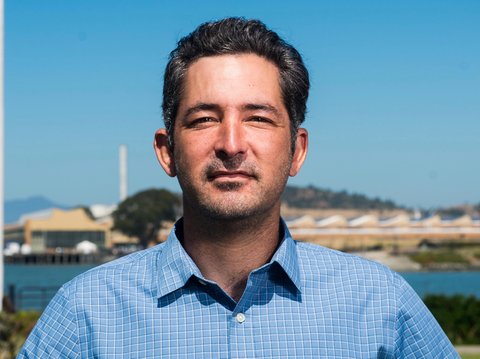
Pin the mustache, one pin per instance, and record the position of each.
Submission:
(236, 163)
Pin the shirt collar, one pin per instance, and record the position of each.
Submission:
(286, 256)
(175, 267)
(174, 264)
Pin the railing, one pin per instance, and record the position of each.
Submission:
(31, 297)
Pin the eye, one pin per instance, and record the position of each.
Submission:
(259, 119)
(261, 122)
(201, 122)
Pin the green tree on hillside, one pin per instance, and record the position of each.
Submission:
(313, 197)
(141, 215)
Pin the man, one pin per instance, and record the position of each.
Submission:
(230, 282)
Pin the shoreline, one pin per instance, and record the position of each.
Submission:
(402, 263)
(399, 263)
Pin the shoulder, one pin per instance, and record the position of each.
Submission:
(347, 281)
(323, 268)
(138, 268)
(316, 259)
(89, 300)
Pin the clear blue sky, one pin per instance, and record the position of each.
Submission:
(394, 109)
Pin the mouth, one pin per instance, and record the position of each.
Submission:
(230, 175)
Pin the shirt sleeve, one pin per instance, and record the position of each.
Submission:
(418, 334)
(55, 335)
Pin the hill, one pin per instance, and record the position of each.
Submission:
(319, 198)
(16, 207)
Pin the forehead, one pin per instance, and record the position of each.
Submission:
(232, 79)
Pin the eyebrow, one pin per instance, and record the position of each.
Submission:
(261, 107)
(203, 106)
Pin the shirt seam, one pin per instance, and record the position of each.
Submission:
(396, 290)
(67, 300)
(119, 264)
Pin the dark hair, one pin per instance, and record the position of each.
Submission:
(235, 36)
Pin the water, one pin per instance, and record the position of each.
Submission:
(42, 275)
(446, 283)
(52, 276)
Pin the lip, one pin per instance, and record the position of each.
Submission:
(229, 175)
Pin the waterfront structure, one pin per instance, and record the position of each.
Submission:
(399, 221)
(372, 230)
(116, 240)
(55, 229)
(334, 221)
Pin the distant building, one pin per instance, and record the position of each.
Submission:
(116, 240)
(370, 230)
(53, 229)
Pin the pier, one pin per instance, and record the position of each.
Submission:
(55, 258)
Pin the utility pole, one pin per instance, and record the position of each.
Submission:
(2, 153)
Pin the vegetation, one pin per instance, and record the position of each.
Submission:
(141, 215)
(451, 212)
(313, 197)
(458, 316)
(442, 256)
(14, 329)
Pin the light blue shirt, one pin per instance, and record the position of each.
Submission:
(308, 302)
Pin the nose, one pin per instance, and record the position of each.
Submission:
(231, 141)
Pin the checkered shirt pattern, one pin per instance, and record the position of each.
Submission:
(308, 302)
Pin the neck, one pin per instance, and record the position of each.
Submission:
(227, 251)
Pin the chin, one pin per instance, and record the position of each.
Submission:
(228, 212)
(228, 186)
(235, 208)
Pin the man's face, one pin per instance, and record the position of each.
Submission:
(232, 151)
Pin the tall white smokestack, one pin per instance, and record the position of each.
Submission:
(123, 172)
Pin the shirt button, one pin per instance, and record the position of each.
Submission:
(240, 318)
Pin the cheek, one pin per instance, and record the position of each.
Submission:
(275, 147)
(189, 154)
(198, 143)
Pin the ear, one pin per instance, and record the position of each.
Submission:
(163, 152)
(301, 149)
